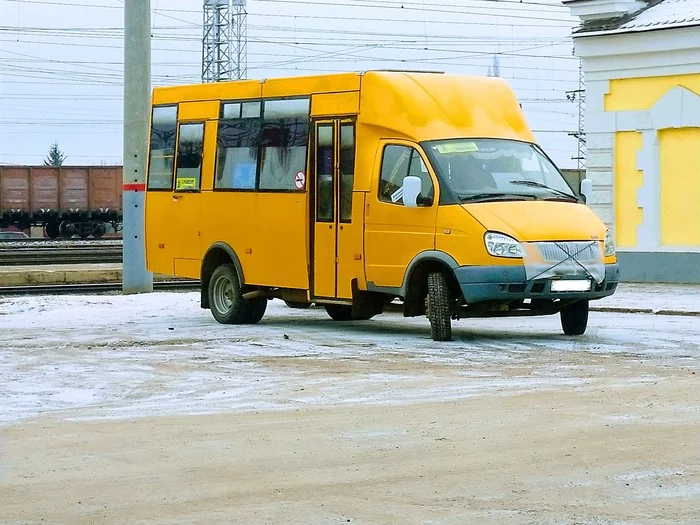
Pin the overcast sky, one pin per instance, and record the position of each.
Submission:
(61, 62)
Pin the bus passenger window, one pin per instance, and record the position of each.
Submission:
(189, 157)
(283, 142)
(324, 173)
(162, 151)
(347, 170)
(237, 154)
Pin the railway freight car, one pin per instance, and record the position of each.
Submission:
(66, 200)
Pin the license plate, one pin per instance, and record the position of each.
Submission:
(578, 285)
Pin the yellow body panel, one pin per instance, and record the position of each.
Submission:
(159, 218)
(680, 186)
(532, 221)
(394, 235)
(268, 232)
(274, 234)
(239, 90)
(335, 104)
(299, 86)
(459, 234)
(628, 179)
(643, 93)
(198, 110)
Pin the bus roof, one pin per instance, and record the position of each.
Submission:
(399, 104)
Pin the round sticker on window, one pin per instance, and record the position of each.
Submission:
(299, 180)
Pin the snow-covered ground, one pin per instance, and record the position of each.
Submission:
(115, 356)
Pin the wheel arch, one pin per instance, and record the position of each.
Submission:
(218, 253)
(415, 284)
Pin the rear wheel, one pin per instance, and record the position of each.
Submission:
(297, 304)
(225, 298)
(439, 307)
(574, 318)
(339, 312)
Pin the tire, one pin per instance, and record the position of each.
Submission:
(67, 229)
(297, 304)
(439, 307)
(52, 230)
(225, 298)
(256, 309)
(99, 231)
(574, 318)
(339, 312)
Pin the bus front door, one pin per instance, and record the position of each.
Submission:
(334, 232)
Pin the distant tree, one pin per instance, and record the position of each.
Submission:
(55, 157)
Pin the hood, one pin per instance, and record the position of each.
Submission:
(530, 221)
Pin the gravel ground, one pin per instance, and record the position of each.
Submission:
(142, 409)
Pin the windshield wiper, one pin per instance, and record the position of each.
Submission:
(494, 196)
(544, 186)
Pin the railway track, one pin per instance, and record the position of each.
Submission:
(91, 288)
(42, 254)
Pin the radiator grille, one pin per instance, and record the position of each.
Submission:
(579, 251)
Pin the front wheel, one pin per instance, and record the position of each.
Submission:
(574, 318)
(226, 299)
(256, 309)
(439, 307)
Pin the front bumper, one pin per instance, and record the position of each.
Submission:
(509, 283)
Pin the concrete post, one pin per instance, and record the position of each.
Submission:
(137, 96)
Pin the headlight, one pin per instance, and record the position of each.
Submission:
(500, 245)
(609, 248)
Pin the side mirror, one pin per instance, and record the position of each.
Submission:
(411, 189)
(586, 189)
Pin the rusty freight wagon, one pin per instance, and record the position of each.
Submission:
(66, 201)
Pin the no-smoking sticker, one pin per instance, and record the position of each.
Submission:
(299, 180)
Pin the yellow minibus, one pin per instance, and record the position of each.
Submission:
(356, 190)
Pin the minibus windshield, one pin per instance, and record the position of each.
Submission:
(496, 169)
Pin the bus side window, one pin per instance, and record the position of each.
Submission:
(190, 146)
(162, 150)
(420, 170)
(237, 154)
(283, 142)
(397, 163)
(347, 170)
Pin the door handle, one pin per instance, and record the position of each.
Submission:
(177, 197)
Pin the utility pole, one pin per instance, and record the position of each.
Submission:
(137, 110)
(224, 42)
(579, 95)
(240, 39)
